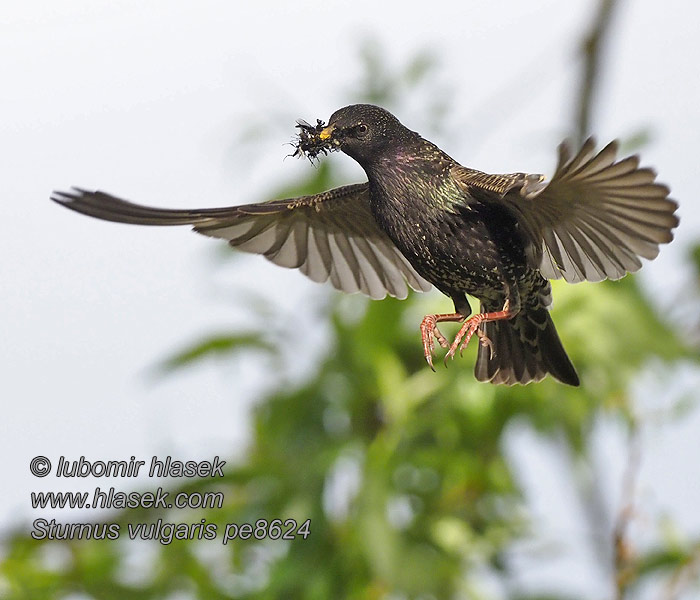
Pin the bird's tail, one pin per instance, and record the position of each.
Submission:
(523, 349)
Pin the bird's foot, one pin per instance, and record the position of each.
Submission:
(470, 327)
(430, 333)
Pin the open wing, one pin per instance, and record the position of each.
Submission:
(596, 217)
(332, 235)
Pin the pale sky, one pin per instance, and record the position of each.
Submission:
(148, 101)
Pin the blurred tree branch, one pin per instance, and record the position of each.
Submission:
(592, 48)
(623, 553)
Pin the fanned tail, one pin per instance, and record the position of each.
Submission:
(523, 349)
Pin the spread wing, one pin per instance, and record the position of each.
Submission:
(332, 235)
(594, 220)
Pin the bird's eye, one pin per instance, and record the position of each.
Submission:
(361, 130)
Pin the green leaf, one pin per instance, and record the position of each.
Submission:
(218, 346)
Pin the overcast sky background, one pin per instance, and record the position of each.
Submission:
(149, 101)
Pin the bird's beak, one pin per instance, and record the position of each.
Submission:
(326, 133)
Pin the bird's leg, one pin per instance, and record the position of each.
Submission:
(471, 326)
(430, 333)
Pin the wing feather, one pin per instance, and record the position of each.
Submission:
(329, 236)
(596, 217)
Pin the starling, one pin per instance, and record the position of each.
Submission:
(423, 219)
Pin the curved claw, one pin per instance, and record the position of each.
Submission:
(473, 328)
(430, 333)
(427, 329)
(463, 336)
(484, 340)
(449, 355)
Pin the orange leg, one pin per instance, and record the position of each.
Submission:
(471, 326)
(430, 333)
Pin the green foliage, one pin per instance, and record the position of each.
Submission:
(432, 496)
(217, 345)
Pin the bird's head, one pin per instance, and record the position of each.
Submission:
(362, 131)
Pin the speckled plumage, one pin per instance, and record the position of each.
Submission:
(423, 219)
(458, 243)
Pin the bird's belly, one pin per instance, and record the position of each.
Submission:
(473, 249)
(462, 260)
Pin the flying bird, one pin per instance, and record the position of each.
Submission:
(421, 219)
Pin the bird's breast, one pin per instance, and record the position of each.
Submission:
(453, 246)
